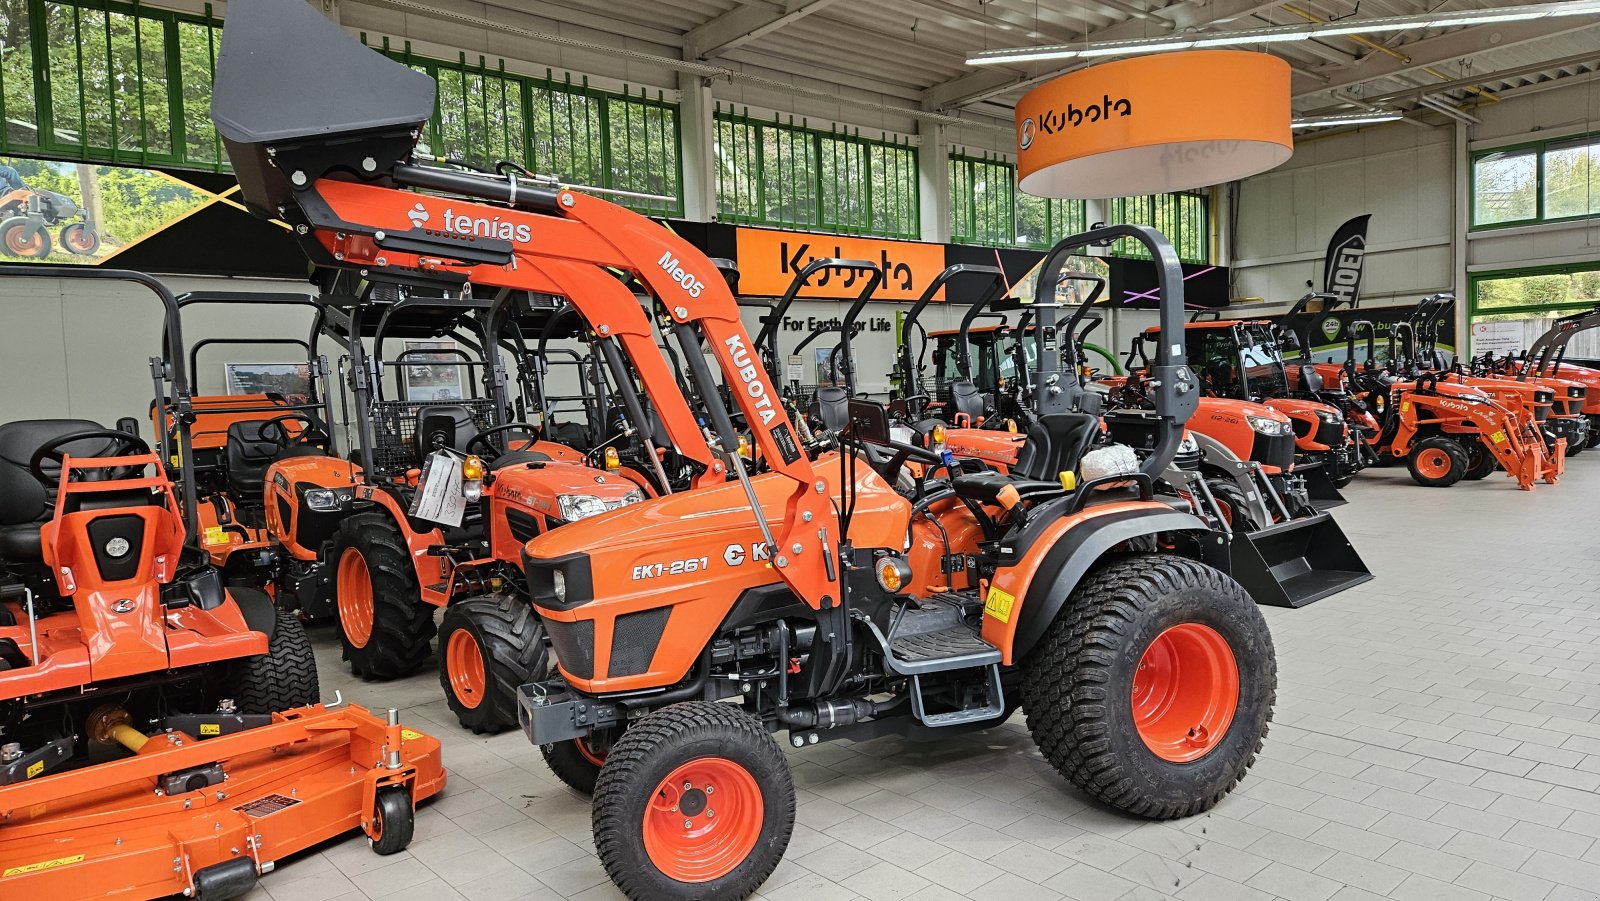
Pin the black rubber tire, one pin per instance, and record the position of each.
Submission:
(283, 678)
(10, 230)
(1231, 499)
(647, 753)
(571, 766)
(1480, 463)
(79, 239)
(402, 624)
(1077, 684)
(511, 640)
(1458, 462)
(1594, 430)
(395, 821)
(1575, 447)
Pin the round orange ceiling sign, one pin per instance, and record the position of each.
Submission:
(1151, 124)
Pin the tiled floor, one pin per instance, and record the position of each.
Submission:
(1437, 737)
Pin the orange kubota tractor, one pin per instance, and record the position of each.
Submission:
(813, 596)
(159, 730)
(1546, 358)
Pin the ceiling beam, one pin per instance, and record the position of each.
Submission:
(1340, 104)
(990, 81)
(744, 24)
(1419, 55)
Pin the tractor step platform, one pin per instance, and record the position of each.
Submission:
(313, 774)
(931, 635)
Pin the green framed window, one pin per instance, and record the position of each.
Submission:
(1184, 217)
(1532, 293)
(776, 172)
(625, 141)
(987, 207)
(110, 82)
(1543, 181)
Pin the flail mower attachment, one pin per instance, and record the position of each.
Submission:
(205, 818)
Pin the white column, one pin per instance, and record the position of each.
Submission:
(933, 182)
(696, 116)
(1461, 166)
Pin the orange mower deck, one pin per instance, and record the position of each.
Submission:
(311, 775)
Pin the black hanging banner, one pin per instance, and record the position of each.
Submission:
(1341, 270)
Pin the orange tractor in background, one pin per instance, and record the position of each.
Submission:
(160, 731)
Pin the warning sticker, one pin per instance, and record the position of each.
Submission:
(43, 865)
(1498, 437)
(998, 604)
(408, 735)
(34, 769)
(267, 806)
(215, 535)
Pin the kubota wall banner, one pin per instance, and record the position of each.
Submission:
(1150, 124)
(1347, 253)
(768, 260)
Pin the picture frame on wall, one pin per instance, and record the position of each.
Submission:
(431, 371)
(290, 380)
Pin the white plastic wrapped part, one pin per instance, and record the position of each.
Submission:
(1104, 462)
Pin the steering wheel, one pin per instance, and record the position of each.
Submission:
(313, 433)
(123, 445)
(489, 449)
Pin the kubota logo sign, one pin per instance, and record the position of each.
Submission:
(670, 265)
(751, 376)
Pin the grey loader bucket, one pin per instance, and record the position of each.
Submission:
(1294, 563)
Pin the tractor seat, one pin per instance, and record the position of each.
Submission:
(831, 405)
(967, 399)
(25, 505)
(249, 454)
(1055, 444)
(441, 426)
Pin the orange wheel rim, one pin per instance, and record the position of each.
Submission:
(355, 597)
(1433, 463)
(589, 754)
(20, 245)
(703, 820)
(463, 662)
(1185, 692)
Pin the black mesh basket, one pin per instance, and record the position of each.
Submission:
(394, 429)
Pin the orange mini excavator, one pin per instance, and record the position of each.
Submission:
(159, 730)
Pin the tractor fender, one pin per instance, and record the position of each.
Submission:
(260, 614)
(1074, 551)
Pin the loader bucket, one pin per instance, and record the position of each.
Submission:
(1294, 563)
(1319, 486)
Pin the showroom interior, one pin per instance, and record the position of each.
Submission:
(795, 449)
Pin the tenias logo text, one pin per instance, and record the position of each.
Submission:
(484, 227)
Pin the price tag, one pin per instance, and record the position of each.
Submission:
(439, 496)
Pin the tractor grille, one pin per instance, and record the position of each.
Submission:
(1273, 450)
(524, 526)
(634, 640)
(1330, 433)
(394, 430)
(574, 645)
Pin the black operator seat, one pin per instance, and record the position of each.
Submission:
(831, 405)
(441, 426)
(967, 399)
(1055, 443)
(248, 454)
(26, 505)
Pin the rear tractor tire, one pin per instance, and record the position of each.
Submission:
(489, 647)
(1480, 463)
(1437, 462)
(283, 678)
(1153, 688)
(694, 801)
(384, 625)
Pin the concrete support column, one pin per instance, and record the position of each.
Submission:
(1461, 168)
(697, 118)
(933, 182)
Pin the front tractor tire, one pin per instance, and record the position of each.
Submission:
(488, 647)
(1480, 463)
(694, 801)
(1438, 462)
(283, 678)
(384, 625)
(1153, 688)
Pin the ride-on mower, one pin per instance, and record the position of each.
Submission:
(159, 730)
(1046, 587)
(27, 215)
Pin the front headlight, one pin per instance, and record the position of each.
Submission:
(325, 500)
(558, 585)
(1544, 397)
(1266, 425)
(1330, 416)
(578, 506)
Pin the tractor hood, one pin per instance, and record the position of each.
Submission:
(541, 486)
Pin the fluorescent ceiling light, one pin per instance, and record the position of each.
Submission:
(1282, 33)
(1352, 119)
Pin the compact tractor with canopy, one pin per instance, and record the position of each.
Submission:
(810, 594)
(159, 729)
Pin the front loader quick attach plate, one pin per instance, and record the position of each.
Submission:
(549, 712)
(125, 827)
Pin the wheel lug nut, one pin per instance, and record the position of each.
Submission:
(688, 824)
(710, 813)
(710, 788)
(688, 785)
